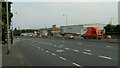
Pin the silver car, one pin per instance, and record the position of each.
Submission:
(69, 36)
(59, 36)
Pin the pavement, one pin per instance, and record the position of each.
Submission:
(60, 52)
(14, 58)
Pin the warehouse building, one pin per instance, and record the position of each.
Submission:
(76, 28)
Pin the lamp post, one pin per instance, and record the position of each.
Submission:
(12, 30)
(8, 36)
(66, 18)
(111, 21)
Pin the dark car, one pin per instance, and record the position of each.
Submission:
(69, 36)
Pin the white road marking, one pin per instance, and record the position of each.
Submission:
(62, 58)
(42, 49)
(79, 43)
(87, 53)
(105, 57)
(50, 44)
(67, 48)
(76, 50)
(61, 45)
(47, 51)
(108, 46)
(53, 54)
(54, 45)
(76, 64)
(38, 47)
(63, 41)
(87, 50)
(60, 50)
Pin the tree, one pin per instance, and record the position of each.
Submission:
(110, 29)
(117, 29)
(4, 18)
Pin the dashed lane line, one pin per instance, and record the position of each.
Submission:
(109, 46)
(67, 48)
(79, 43)
(62, 58)
(47, 51)
(53, 54)
(105, 57)
(51, 44)
(38, 47)
(76, 50)
(60, 50)
(55, 45)
(87, 50)
(61, 45)
(77, 65)
(87, 53)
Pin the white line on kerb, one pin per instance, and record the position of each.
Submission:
(76, 64)
(87, 53)
(62, 58)
(53, 54)
(105, 57)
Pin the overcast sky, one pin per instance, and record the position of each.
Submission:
(41, 14)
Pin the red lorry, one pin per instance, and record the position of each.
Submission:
(92, 33)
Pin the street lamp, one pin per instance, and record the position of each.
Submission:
(8, 36)
(111, 20)
(66, 18)
(12, 29)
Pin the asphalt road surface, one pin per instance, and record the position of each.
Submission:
(66, 52)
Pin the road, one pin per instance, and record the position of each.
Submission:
(66, 52)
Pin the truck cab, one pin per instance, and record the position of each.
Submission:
(93, 33)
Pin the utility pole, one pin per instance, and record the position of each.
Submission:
(66, 18)
(8, 36)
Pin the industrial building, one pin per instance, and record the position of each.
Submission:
(76, 28)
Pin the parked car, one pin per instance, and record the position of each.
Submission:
(107, 36)
(58, 36)
(69, 36)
